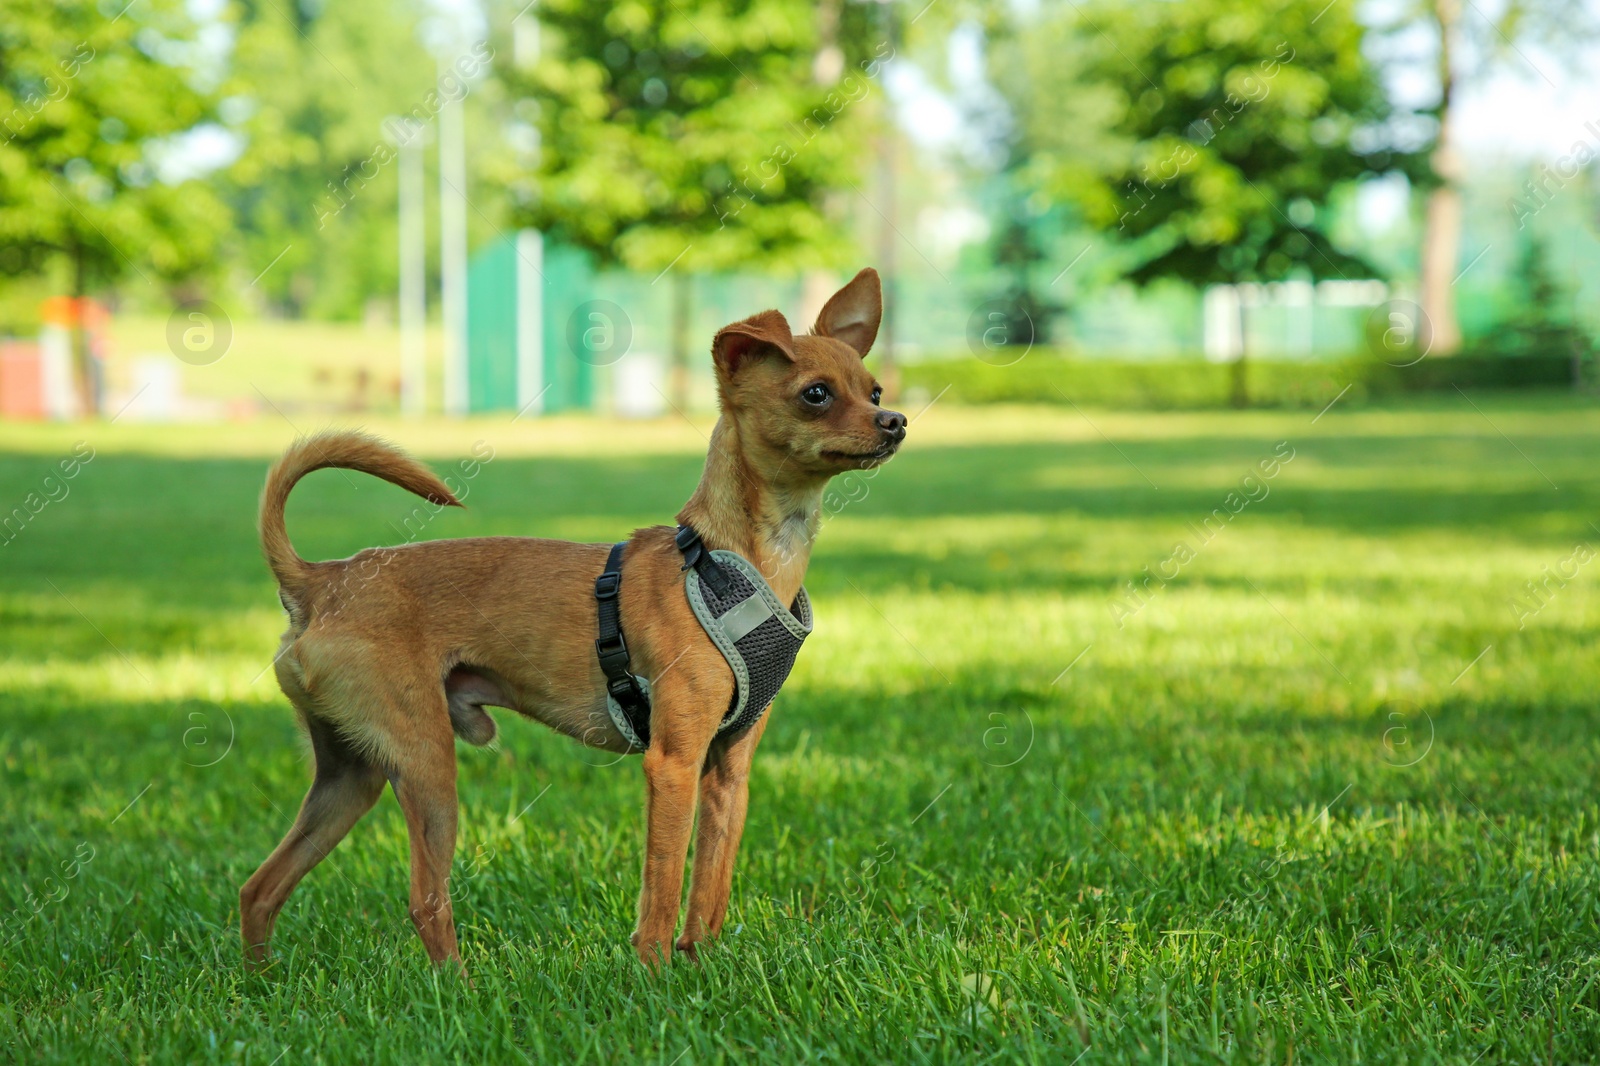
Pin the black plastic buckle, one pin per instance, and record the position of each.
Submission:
(607, 585)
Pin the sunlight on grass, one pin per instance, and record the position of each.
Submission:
(1322, 787)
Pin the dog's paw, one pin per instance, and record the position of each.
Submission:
(654, 953)
(688, 947)
(458, 968)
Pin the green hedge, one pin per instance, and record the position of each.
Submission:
(1044, 377)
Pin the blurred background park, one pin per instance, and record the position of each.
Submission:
(209, 208)
(1210, 678)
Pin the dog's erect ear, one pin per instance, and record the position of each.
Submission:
(854, 312)
(759, 335)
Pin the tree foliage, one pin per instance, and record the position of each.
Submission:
(1210, 136)
(91, 102)
(671, 128)
(309, 91)
(1538, 312)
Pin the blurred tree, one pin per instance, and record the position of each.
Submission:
(1468, 49)
(1207, 137)
(1538, 314)
(92, 103)
(1022, 219)
(310, 89)
(1018, 247)
(686, 135)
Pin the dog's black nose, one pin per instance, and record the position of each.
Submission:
(893, 424)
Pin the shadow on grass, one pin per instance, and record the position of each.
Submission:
(181, 532)
(1162, 736)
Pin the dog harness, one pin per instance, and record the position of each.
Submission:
(754, 631)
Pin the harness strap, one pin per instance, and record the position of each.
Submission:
(612, 648)
(695, 555)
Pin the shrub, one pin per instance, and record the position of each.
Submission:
(1191, 384)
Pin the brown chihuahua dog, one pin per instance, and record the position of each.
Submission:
(394, 652)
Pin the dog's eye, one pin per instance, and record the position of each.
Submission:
(877, 394)
(816, 395)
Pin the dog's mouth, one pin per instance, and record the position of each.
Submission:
(883, 454)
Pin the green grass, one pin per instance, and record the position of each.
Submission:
(1320, 799)
(295, 364)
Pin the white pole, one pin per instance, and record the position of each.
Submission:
(453, 254)
(413, 270)
(530, 322)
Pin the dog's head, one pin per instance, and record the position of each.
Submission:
(810, 401)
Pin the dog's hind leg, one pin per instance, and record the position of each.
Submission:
(345, 787)
(724, 798)
(425, 784)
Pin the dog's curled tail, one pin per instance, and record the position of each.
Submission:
(345, 450)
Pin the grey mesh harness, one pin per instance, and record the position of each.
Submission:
(754, 631)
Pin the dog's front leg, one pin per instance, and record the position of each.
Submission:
(724, 798)
(681, 731)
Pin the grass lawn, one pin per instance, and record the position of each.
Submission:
(1322, 796)
(293, 364)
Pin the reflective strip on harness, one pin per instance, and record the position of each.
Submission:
(738, 621)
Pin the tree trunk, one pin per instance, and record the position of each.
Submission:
(84, 371)
(888, 233)
(1439, 332)
(682, 308)
(827, 66)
